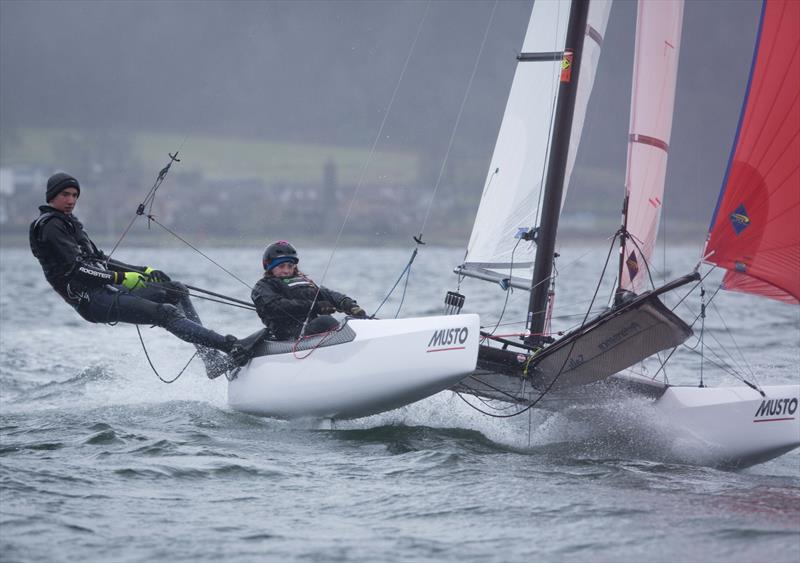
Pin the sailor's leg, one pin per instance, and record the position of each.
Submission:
(215, 363)
(109, 305)
(323, 323)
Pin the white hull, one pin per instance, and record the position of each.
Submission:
(734, 426)
(389, 363)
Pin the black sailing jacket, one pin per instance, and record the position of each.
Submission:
(72, 263)
(284, 303)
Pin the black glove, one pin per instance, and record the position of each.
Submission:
(346, 304)
(324, 308)
(157, 276)
(357, 312)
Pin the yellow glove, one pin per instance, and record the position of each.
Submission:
(133, 280)
(154, 275)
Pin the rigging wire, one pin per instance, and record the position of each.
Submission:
(149, 198)
(364, 168)
(509, 289)
(566, 358)
(458, 120)
(721, 365)
(736, 344)
(396, 283)
(375, 141)
(200, 252)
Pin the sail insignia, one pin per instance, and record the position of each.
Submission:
(633, 265)
(739, 219)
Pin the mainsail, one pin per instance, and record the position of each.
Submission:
(755, 229)
(655, 72)
(512, 195)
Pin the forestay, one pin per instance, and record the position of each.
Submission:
(655, 72)
(513, 190)
(755, 230)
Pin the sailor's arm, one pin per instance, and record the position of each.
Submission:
(70, 254)
(342, 302)
(271, 305)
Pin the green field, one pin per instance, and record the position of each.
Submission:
(213, 157)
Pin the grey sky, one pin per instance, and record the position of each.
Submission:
(325, 72)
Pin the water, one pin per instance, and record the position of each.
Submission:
(99, 461)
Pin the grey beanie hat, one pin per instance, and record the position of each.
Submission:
(59, 182)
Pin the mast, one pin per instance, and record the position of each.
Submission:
(556, 169)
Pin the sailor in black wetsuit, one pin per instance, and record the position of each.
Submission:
(284, 297)
(104, 290)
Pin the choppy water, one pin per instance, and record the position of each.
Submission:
(99, 461)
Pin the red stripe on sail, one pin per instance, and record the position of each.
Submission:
(652, 141)
(755, 233)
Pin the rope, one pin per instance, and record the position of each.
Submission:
(323, 337)
(396, 283)
(149, 361)
(190, 245)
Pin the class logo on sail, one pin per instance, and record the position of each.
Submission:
(740, 220)
(633, 265)
(448, 339)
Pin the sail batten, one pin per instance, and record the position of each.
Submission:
(755, 229)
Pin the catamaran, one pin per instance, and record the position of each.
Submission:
(370, 366)
(754, 235)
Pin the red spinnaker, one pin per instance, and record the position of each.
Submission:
(755, 230)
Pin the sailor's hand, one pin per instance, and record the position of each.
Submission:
(324, 308)
(133, 280)
(156, 276)
(357, 312)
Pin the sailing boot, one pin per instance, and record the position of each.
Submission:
(238, 353)
(215, 363)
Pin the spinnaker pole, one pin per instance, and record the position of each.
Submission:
(556, 170)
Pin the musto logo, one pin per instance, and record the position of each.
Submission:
(776, 409)
(448, 339)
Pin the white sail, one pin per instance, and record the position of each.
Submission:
(655, 70)
(596, 23)
(512, 194)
